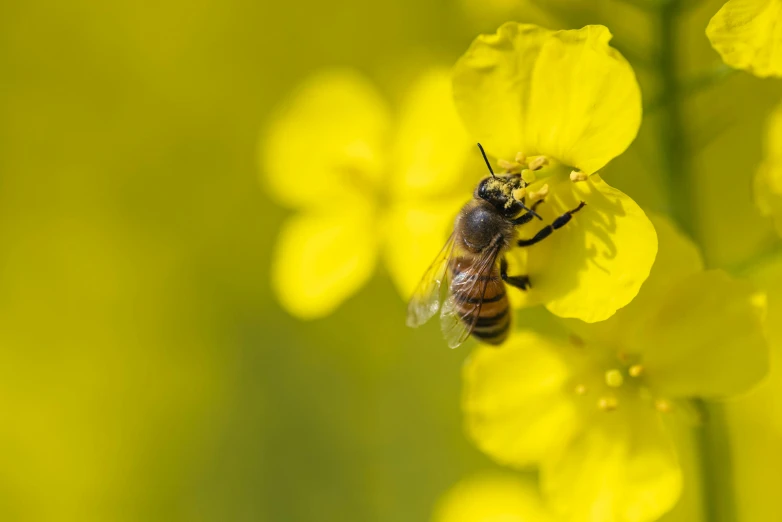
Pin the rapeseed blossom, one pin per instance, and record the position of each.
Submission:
(364, 185)
(748, 35)
(590, 407)
(493, 496)
(768, 179)
(557, 106)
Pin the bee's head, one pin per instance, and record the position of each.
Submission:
(498, 190)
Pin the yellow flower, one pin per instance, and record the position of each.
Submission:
(493, 496)
(590, 406)
(748, 35)
(557, 106)
(768, 179)
(362, 185)
(755, 420)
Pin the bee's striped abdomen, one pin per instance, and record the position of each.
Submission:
(493, 315)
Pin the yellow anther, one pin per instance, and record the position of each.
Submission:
(519, 194)
(607, 403)
(507, 165)
(636, 370)
(663, 406)
(539, 194)
(580, 389)
(520, 157)
(528, 176)
(614, 378)
(538, 162)
(577, 175)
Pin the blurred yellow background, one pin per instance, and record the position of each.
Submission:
(147, 372)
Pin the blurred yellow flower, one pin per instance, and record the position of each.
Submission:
(557, 106)
(591, 408)
(748, 35)
(362, 185)
(493, 496)
(755, 420)
(768, 179)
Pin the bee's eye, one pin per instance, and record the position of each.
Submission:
(482, 190)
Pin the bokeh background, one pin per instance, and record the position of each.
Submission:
(147, 372)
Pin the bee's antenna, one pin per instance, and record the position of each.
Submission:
(525, 207)
(487, 161)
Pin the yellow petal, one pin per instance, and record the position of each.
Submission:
(326, 141)
(622, 468)
(595, 264)
(321, 259)
(677, 259)
(416, 232)
(564, 94)
(707, 340)
(432, 147)
(748, 35)
(493, 496)
(516, 404)
(755, 421)
(768, 180)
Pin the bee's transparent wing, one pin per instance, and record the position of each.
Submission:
(471, 282)
(427, 296)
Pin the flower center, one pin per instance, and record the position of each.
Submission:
(534, 170)
(608, 380)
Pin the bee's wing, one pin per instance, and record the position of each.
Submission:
(426, 298)
(472, 283)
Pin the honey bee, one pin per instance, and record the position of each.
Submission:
(466, 282)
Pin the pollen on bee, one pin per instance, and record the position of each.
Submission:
(577, 175)
(607, 403)
(539, 194)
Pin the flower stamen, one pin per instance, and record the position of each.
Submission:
(614, 378)
(577, 175)
(539, 194)
(636, 370)
(538, 162)
(508, 165)
(528, 176)
(607, 403)
(520, 194)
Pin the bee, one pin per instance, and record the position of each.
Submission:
(466, 282)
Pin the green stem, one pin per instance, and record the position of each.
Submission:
(693, 86)
(716, 465)
(672, 136)
(714, 445)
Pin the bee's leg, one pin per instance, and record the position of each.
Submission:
(560, 222)
(521, 282)
(527, 216)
